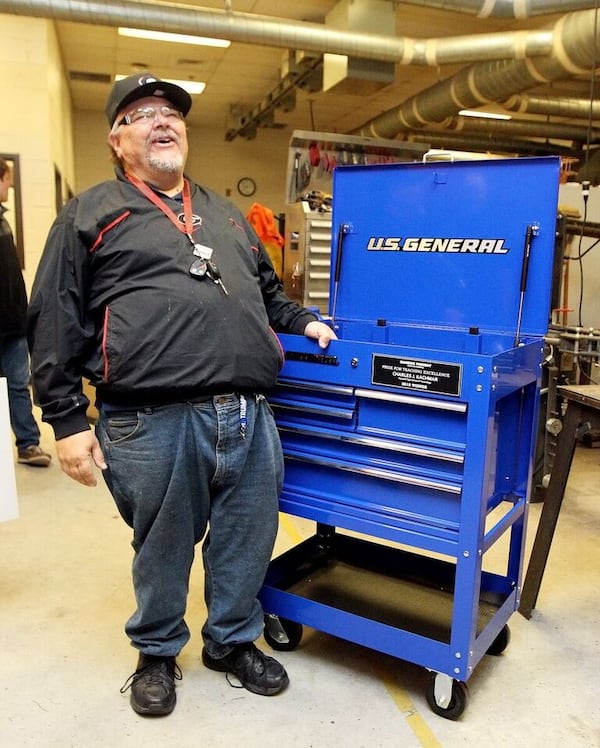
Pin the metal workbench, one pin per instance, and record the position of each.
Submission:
(582, 415)
(409, 441)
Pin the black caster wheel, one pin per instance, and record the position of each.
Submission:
(500, 643)
(281, 634)
(457, 702)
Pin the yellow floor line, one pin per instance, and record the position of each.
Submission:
(287, 523)
(414, 720)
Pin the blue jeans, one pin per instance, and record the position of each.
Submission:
(173, 470)
(14, 365)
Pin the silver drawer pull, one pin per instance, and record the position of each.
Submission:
(411, 480)
(420, 402)
(316, 388)
(346, 415)
(388, 444)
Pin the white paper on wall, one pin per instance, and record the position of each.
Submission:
(9, 508)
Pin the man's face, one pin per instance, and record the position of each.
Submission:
(5, 185)
(150, 145)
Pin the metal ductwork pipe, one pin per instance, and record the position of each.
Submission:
(553, 105)
(575, 38)
(569, 47)
(278, 32)
(505, 8)
(526, 129)
(451, 140)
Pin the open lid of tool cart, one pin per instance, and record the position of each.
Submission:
(464, 244)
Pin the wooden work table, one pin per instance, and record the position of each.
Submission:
(582, 414)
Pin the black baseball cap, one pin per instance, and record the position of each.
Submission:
(134, 87)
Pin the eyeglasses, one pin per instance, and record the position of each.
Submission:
(146, 114)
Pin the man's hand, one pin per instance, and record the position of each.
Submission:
(321, 332)
(77, 455)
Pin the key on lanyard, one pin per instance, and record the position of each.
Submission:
(198, 268)
(214, 274)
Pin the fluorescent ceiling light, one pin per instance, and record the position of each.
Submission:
(485, 115)
(192, 87)
(164, 36)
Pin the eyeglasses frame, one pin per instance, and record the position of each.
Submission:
(126, 119)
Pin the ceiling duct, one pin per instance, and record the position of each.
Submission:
(490, 143)
(554, 106)
(575, 37)
(270, 31)
(525, 129)
(343, 74)
(515, 61)
(505, 8)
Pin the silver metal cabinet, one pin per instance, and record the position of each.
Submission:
(306, 256)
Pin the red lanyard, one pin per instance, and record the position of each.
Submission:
(187, 227)
(203, 265)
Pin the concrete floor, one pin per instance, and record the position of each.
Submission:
(65, 594)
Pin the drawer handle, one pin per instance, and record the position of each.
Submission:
(411, 480)
(392, 446)
(421, 402)
(345, 415)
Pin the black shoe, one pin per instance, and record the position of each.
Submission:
(256, 671)
(153, 685)
(34, 455)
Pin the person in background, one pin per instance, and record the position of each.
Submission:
(14, 356)
(159, 292)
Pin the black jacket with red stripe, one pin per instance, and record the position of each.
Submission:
(113, 301)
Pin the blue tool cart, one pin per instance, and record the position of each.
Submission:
(410, 440)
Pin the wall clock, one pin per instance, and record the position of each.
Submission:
(246, 186)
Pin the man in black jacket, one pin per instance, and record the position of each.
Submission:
(14, 356)
(160, 293)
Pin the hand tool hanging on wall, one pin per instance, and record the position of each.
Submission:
(532, 230)
(293, 193)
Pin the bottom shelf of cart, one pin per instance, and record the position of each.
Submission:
(386, 598)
